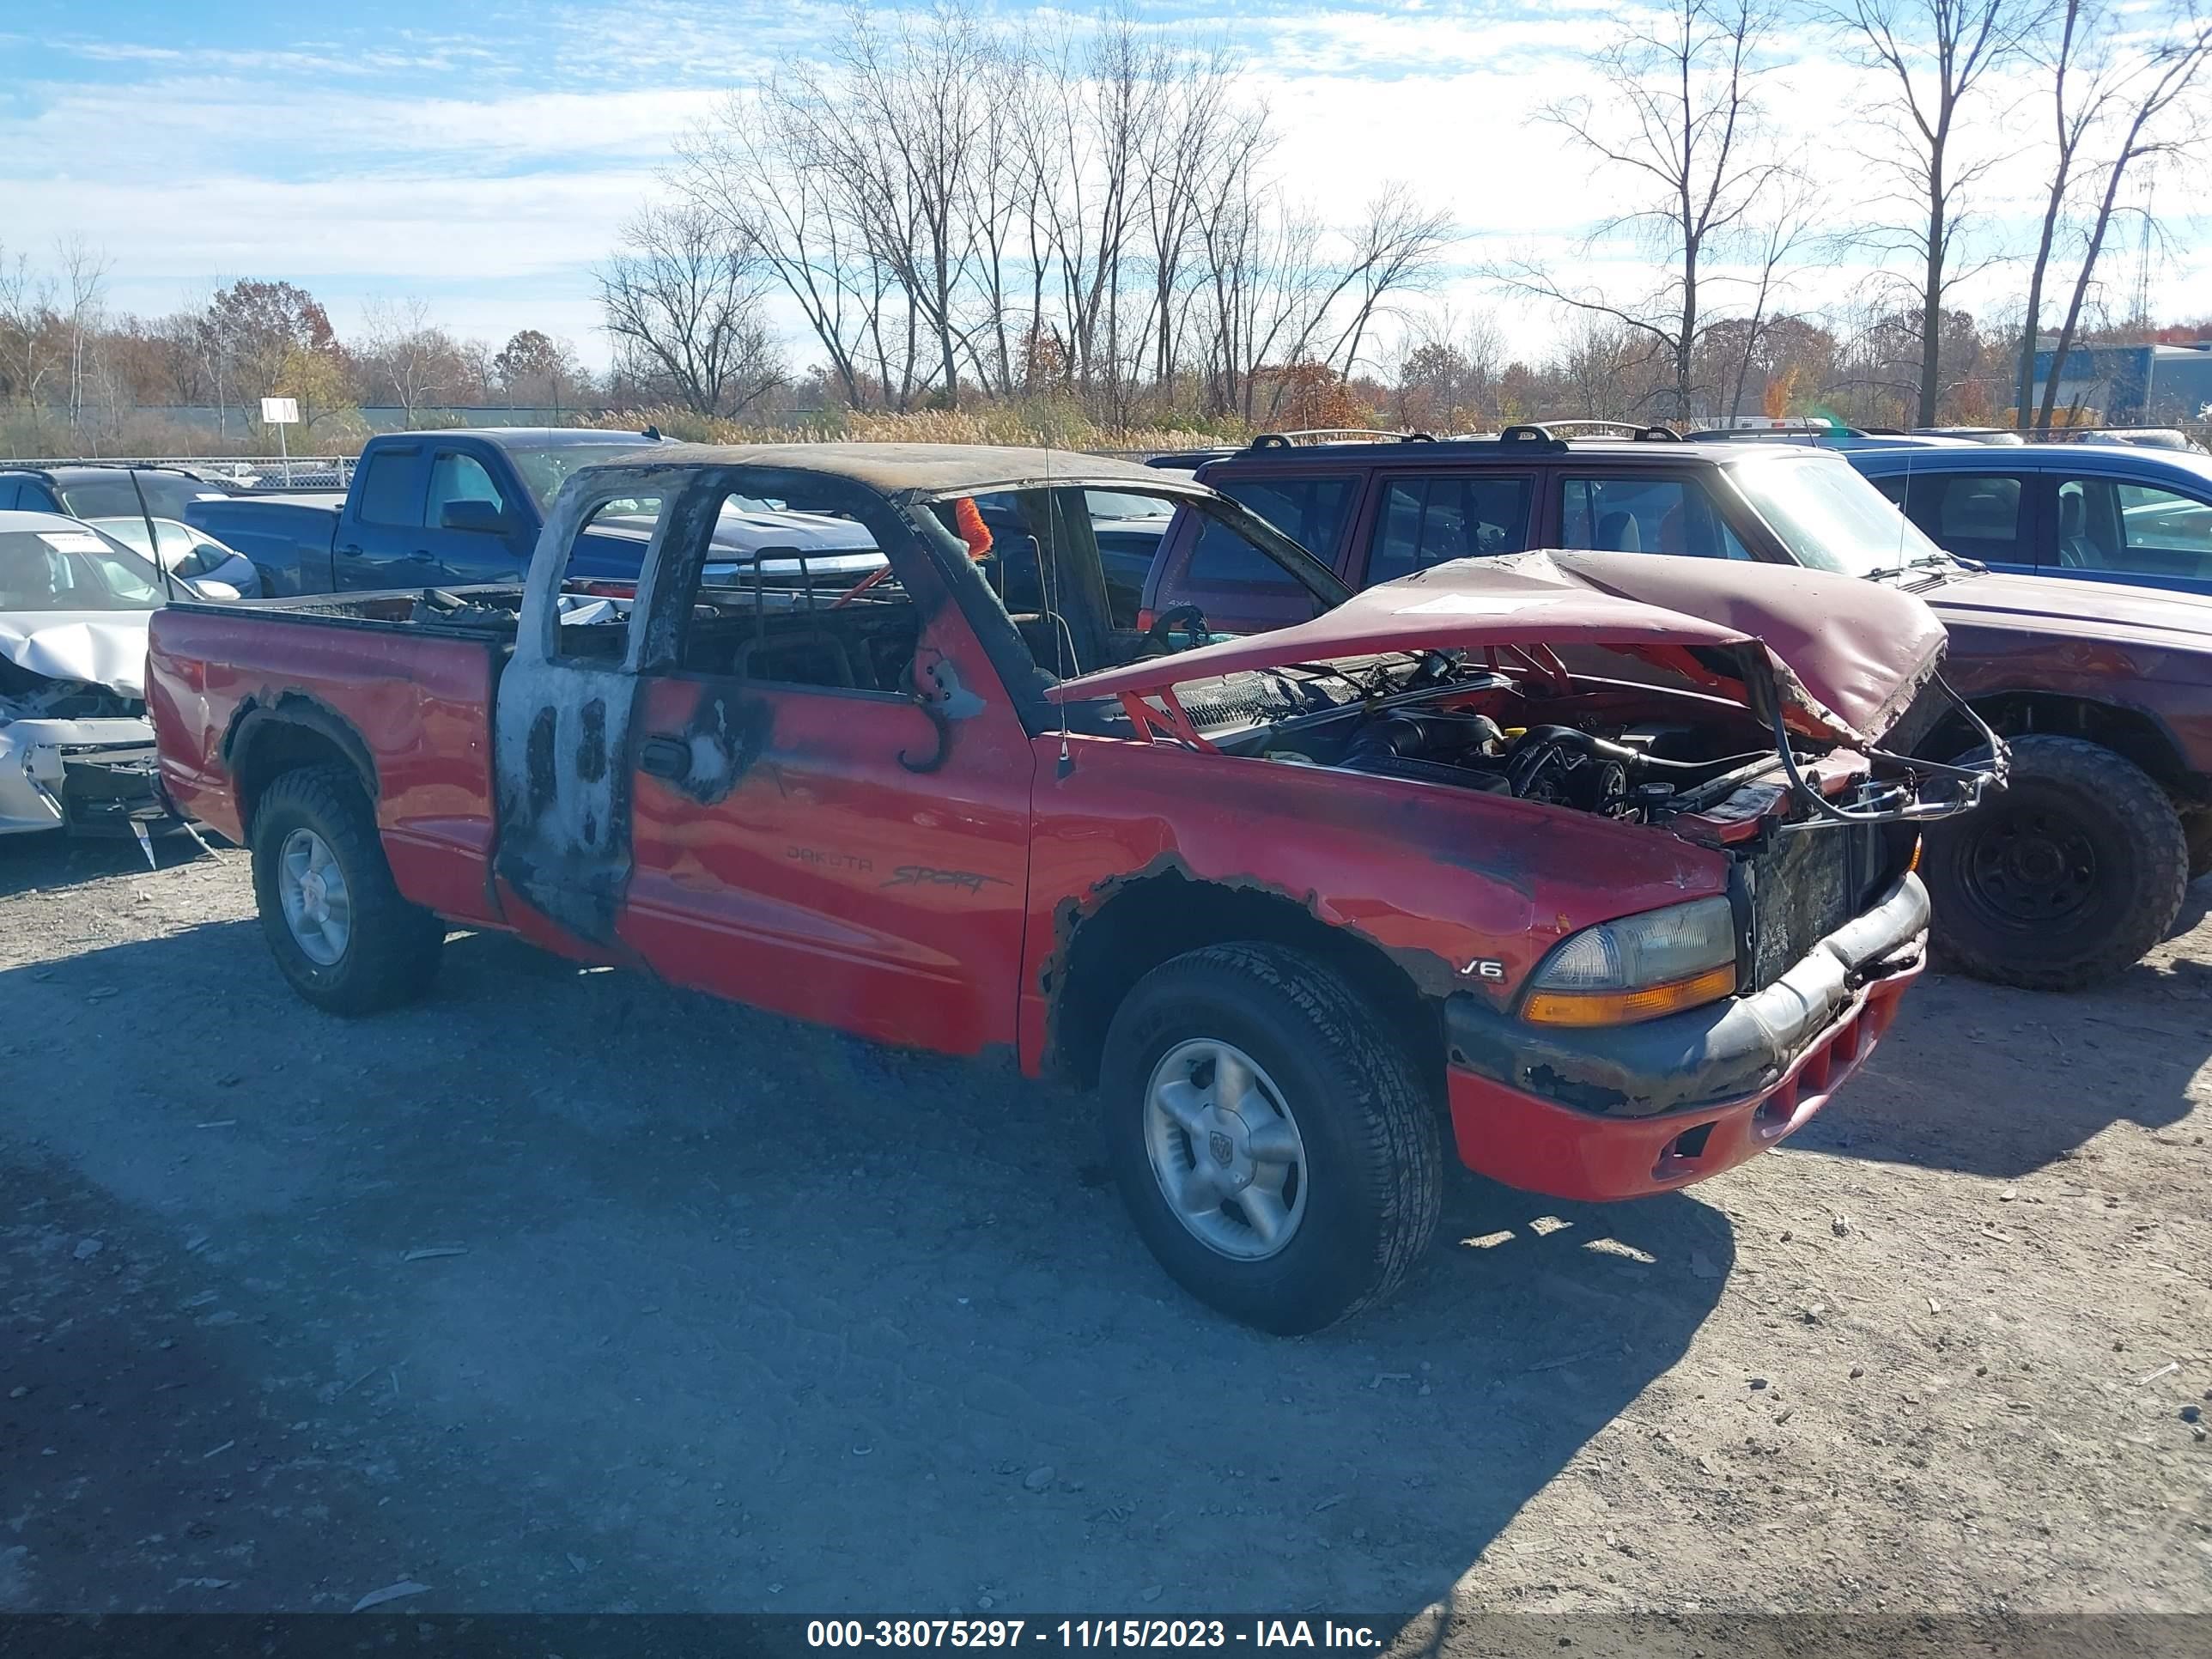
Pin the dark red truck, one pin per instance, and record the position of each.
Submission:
(1298, 905)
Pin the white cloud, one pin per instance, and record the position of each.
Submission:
(489, 181)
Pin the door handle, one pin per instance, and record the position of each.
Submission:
(420, 555)
(666, 757)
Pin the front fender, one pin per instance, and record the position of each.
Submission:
(1463, 890)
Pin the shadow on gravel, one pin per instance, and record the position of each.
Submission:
(28, 863)
(567, 1291)
(1998, 1082)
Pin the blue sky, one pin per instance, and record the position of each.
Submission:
(480, 156)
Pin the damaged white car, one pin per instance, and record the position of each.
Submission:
(76, 752)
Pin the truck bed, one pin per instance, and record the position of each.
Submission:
(399, 693)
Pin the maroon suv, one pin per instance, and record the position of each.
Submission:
(2106, 691)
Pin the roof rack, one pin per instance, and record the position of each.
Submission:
(1554, 434)
(1787, 435)
(1636, 429)
(1336, 434)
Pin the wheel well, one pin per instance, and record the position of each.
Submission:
(1156, 918)
(268, 743)
(2125, 731)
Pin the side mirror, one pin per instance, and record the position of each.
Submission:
(485, 518)
(207, 587)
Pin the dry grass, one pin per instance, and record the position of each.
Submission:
(1046, 424)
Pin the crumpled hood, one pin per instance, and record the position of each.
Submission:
(1846, 657)
(2080, 609)
(98, 648)
(809, 533)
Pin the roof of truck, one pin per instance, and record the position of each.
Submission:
(544, 437)
(922, 469)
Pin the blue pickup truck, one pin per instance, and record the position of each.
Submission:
(446, 509)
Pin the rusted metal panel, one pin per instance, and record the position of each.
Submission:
(1437, 879)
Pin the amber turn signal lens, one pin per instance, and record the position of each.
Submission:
(1627, 1007)
(1912, 867)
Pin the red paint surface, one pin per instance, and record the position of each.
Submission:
(1541, 1146)
(832, 883)
(1446, 875)
(421, 703)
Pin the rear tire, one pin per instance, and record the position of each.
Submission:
(334, 919)
(1332, 1140)
(2071, 874)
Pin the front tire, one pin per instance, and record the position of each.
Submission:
(1279, 1156)
(2071, 874)
(334, 919)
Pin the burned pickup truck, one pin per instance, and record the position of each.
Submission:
(1297, 906)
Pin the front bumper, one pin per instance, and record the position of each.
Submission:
(90, 777)
(1623, 1111)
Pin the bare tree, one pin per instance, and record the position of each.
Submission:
(1395, 248)
(953, 202)
(2145, 102)
(897, 121)
(1194, 123)
(402, 353)
(1602, 364)
(1782, 235)
(685, 300)
(27, 321)
(753, 171)
(84, 282)
(1937, 53)
(2080, 52)
(1679, 118)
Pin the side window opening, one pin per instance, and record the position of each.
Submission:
(1310, 511)
(1427, 521)
(1635, 514)
(391, 489)
(2088, 528)
(799, 594)
(595, 612)
(1128, 528)
(1975, 513)
(1041, 554)
(458, 478)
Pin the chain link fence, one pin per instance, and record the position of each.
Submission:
(228, 471)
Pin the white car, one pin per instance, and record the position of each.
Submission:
(214, 571)
(76, 752)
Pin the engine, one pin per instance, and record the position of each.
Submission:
(1638, 770)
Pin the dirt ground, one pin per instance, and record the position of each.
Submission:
(564, 1292)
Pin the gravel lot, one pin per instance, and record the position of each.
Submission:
(562, 1291)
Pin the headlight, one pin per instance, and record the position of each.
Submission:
(1637, 968)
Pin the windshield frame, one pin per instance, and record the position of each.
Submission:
(1831, 546)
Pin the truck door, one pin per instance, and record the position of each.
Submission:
(472, 521)
(380, 531)
(753, 801)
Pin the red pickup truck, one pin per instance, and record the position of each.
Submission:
(1298, 905)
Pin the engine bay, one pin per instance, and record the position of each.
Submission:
(1633, 752)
